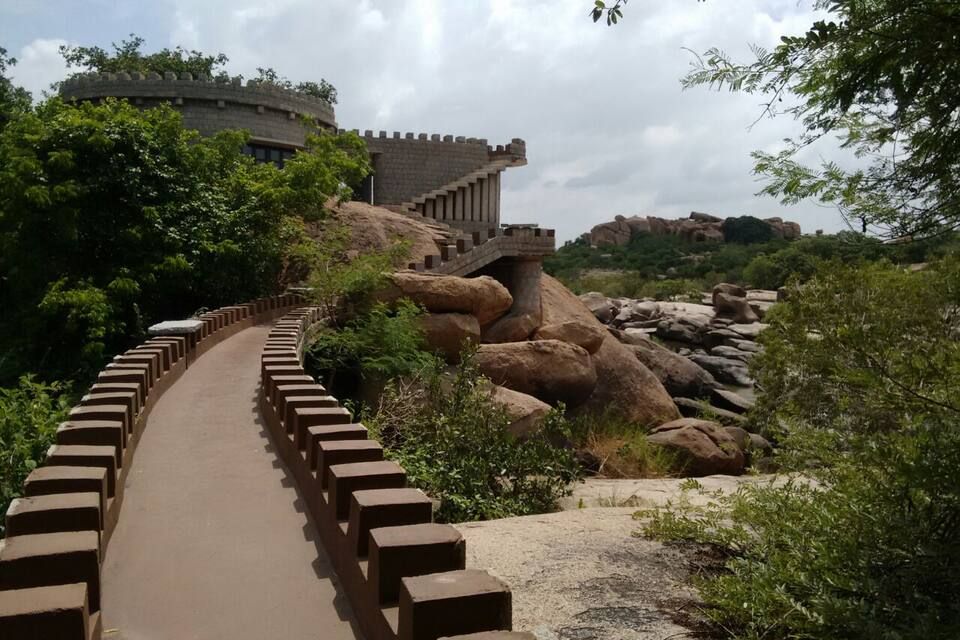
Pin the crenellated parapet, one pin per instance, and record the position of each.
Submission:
(272, 114)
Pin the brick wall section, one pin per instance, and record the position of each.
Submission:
(270, 113)
(408, 165)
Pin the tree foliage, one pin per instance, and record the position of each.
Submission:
(859, 378)
(112, 218)
(128, 56)
(882, 75)
(14, 100)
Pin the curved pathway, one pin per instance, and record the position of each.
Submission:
(213, 541)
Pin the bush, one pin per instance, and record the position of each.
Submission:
(453, 442)
(620, 447)
(29, 416)
(859, 381)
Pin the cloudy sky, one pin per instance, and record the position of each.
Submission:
(608, 129)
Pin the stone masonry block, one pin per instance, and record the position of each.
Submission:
(71, 455)
(452, 603)
(40, 613)
(411, 550)
(373, 508)
(345, 452)
(306, 417)
(347, 478)
(54, 513)
(48, 559)
(319, 434)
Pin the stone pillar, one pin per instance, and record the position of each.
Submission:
(478, 201)
(495, 199)
(448, 206)
(522, 279)
(429, 209)
(468, 202)
(458, 212)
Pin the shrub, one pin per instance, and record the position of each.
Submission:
(859, 381)
(453, 442)
(620, 447)
(746, 230)
(29, 416)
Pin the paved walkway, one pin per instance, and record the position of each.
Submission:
(213, 541)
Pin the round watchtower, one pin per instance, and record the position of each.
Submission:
(270, 113)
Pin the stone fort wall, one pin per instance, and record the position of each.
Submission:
(271, 114)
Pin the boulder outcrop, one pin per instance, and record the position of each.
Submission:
(550, 370)
(625, 387)
(588, 336)
(483, 297)
(448, 333)
(699, 227)
(525, 412)
(701, 448)
(679, 376)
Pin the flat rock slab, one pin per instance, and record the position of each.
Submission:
(212, 540)
(175, 327)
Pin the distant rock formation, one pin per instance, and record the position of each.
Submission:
(699, 227)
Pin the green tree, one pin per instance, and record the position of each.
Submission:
(14, 100)
(128, 57)
(882, 75)
(112, 218)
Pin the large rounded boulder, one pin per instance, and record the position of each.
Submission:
(550, 370)
(680, 376)
(525, 412)
(701, 448)
(483, 297)
(448, 333)
(625, 388)
(588, 336)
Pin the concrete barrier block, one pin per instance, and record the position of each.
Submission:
(126, 399)
(411, 550)
(374, 508)
(288, 404)
(144, 369)
(452, 603)
(347, 478)
(52, 480)
(75, 455)
(179, 343)
(330, 433)
(110, 412)
(285, 390)
(54, 513)
(110, 433)
(270, 384)
(334, 452)
(126, 388)
(166, 353)
(112, 376)
(40, 613)
(152, 359)
(306, 417)
(47, 559)
(278, 361)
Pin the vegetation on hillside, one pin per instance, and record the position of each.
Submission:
(127, 56)
(113, 218)
(665, 267)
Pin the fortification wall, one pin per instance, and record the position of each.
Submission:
(408, 165)
(271, 114)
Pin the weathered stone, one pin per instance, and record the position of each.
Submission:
(717, 337)
(526, 412)
(511, 328)
(550, 370)
(728, 288)
(740, 436)
(482, 297)
(730, 400)
(731, 352)
(679, 376)
(625, 388)
(448, 333)
(590, 337)
(602, 307)
(748, 331)
(692, 408)
(725, 369)
(702, 448)
(734, 307)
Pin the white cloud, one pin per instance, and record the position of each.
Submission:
(39, 64)
(608, 128)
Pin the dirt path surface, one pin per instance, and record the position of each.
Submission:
(213, 541)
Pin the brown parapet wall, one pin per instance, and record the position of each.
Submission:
(404, 575)
(58, 532)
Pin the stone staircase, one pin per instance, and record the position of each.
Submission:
(469, 253)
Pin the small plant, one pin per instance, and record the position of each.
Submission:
(453, 442)
(621, 448)
(29, 416)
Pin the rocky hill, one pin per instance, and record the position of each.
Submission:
(699, 227)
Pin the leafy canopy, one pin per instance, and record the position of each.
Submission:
(127, 56)
(882, 75)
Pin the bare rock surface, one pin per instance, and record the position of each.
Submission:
(624, 386)
(582, 575)
(702, 448)
(526, 412)
(550, 370)
(647, 493)
(588, 336)
(375, 228)
(680, 376)
(482, 297)
(448, 332)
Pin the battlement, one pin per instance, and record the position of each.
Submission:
(516, 148)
